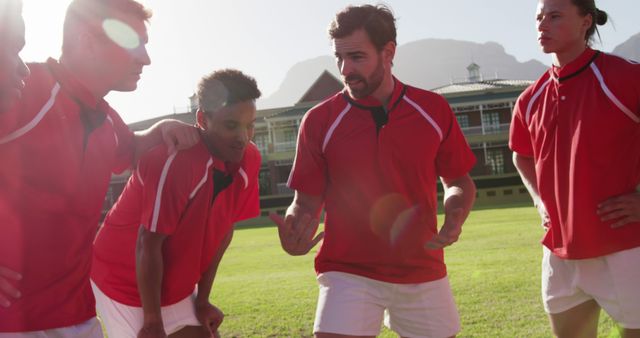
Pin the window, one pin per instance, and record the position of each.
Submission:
(491, 122)
(264, 180)
(290, 135)
(495, 161)
(261, 142)
(463, 121)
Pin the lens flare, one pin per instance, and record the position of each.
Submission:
(390, 216)
(121, 33)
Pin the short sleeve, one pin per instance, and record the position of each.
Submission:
(454, 158)
(249, 203)
(165, 190)
(309, 172)
(519, 135)
(125, 150)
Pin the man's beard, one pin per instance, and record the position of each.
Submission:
(370, 84)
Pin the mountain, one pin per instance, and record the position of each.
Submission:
(298, 79)
(417, 63)
(629, 49)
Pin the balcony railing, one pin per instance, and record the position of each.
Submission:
(488, 129)
(283, 189)
(284, 146)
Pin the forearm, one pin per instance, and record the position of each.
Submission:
(148, 138)
(527, 169)
(206, 281)
(305, 204)
(149, 274)
(459, 194)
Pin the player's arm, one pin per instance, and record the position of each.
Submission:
(526, 166)
(7, 290)
(459, 195)
(149, 271)
(298, 227)
(176, 134)
(209, 315)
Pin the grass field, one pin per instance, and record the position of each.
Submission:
(494, 270)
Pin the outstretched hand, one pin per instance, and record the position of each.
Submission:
(449, 232)
(7, 290)
(296, 235)
(625, 209)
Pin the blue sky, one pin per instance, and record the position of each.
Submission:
(189, 38)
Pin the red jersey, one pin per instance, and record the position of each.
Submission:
(581, 125)
(174, 195)
(378, 180)
(58, 147)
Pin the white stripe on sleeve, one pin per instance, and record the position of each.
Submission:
(426, 116)
(334, 125)
(612, 97)
(156, 207)
(43, 111)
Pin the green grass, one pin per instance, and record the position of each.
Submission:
(494, 270)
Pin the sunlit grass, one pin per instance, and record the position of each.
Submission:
(494, 270)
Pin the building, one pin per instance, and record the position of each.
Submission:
(482, 107)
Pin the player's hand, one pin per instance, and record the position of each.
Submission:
(8, 292)
(449, 232)
(296, 235)
(178, 135)
(624, 209)
(210, 317)
(544, 215)
(154, 330)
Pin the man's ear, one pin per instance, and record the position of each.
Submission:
(201, 120)
(389, 52)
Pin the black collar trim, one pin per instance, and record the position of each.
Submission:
(593, 58)
(370, 108)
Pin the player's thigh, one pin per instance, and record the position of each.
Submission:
(119, 320)
(623, 269)
(88, 329)
(631, 333)
(560, 284)
(191, 332)
(349, 305)
(424, 310)
(581, 321)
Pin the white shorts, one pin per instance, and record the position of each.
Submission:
(354, 305)
(124, 321)
(611, 280)
(89, 329)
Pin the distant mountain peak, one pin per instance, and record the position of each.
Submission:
(629, 49)
(416, 64)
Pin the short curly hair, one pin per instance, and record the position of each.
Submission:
(225, 87)
(378, 21)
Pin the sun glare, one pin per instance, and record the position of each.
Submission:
(121, 33)
(43, 21)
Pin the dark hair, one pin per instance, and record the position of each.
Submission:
(587, 7)
(225, 87)
(377, 21)
(89, 14)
